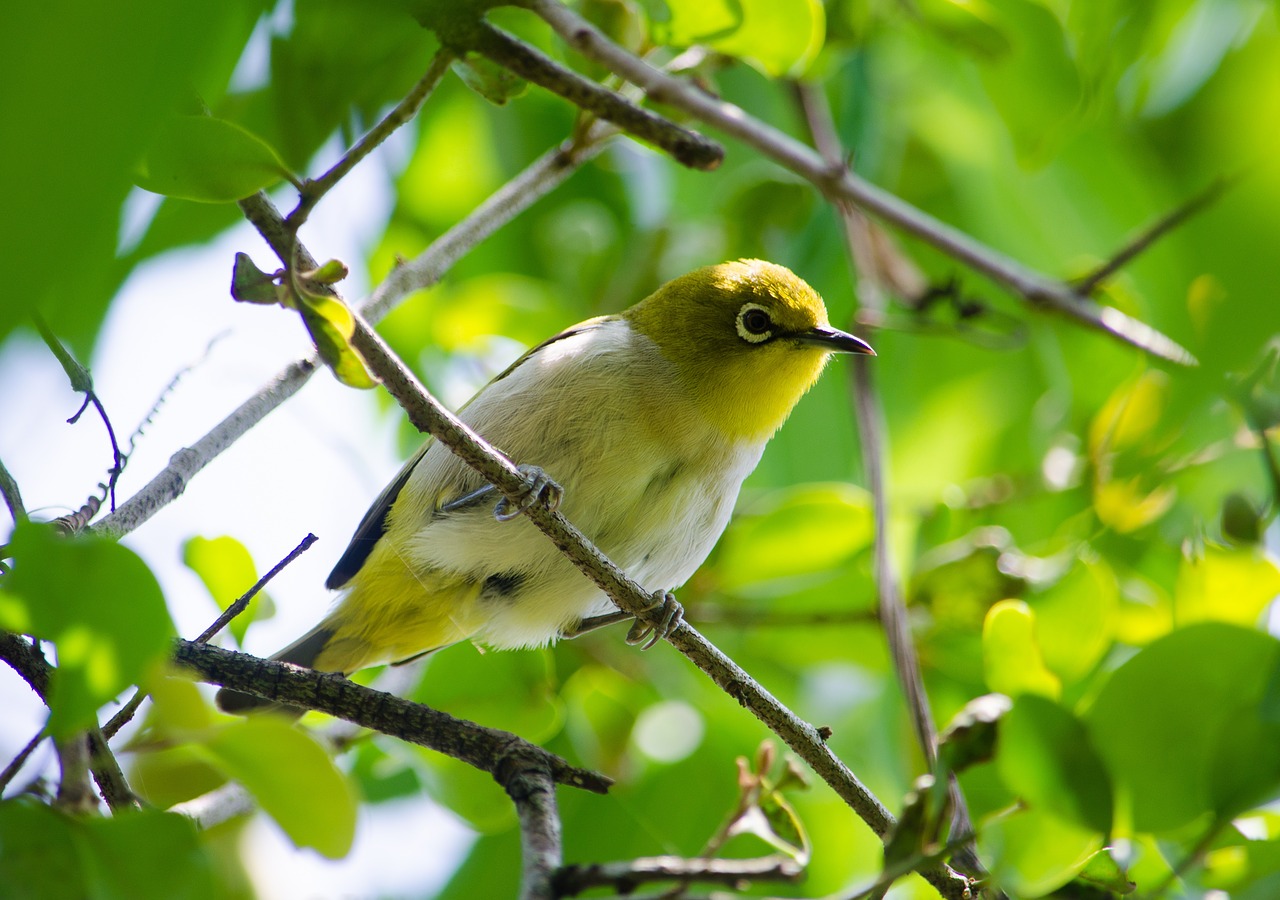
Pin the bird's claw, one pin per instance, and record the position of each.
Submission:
(669, 616)
(539, 488)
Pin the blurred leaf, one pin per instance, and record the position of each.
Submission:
(73, 591)
(291, 777)
(1163, 716)
(143, 855)
(1127, 506)
(1103, 871)
(249, 284)
(1226, 585)
(209, 160)
(460, 680)
(227, 571)
(799, 532)
(779, 37)
(84, 126)
(1075, 618)
(1033, 853)
(385, 773)
(1045, 757)
(491, 81)
(1011, 653)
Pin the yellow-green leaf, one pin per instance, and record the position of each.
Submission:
(331, 326)
(292, 778)
(779, 37)
(1225, 585)
(1011, 654)
(227, 570)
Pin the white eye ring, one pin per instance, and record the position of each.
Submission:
(755, 325)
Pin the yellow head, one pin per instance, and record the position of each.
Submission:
(748, 338)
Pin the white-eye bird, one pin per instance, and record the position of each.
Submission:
(649, 420)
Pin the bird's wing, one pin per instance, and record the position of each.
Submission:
(374, 524)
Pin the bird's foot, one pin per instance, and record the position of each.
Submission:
(539, 488)
(667, 616)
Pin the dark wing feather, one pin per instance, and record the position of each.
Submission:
(372, 526)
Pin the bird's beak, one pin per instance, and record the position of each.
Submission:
(834, 340)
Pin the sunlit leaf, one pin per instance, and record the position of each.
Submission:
(331, 326)
(72, 591)
(780, 37)
(210, 160)
(227, 571)
(291, 777)
(1011, 653)
(1226, 585)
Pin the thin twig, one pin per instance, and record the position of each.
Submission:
(838, 183)
(313, 190)
(242, 602)
(625, 876)
(12, 496)
(16, 764)
(1089, 283)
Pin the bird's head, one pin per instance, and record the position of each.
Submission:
(748, 338)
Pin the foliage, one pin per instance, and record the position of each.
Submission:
(1079, 527)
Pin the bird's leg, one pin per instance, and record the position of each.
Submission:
(595, 623)
(539, 487)
(667, 618)
(670, 614)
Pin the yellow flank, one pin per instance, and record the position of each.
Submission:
(649, 420)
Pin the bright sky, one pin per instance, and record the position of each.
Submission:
(313, 465)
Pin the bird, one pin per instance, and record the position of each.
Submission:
(641, 425)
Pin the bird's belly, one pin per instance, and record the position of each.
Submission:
(658, 525)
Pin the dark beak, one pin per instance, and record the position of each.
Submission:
(835, 340)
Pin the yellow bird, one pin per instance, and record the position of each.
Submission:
(649, 420)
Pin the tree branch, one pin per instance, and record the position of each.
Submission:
(467, 30)
(837, 183)
(624, 877)
(12, 496)
(532, 789)
(478, 746)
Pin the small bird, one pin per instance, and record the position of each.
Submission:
(648, 421)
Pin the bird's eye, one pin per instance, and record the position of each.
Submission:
(755, 326)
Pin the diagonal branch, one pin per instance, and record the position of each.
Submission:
(839, 184)
(624, 877)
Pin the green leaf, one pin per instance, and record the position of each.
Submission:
(1044, 756)
(1076, 618)
(1033, 852)
(209, 160)
(1226, 585)
(1165, 719)
(227, 571)
(100, 605)
(788, 833)
(331, 326)
(249, 284)
(143, 855)
(798, 532)
(778, 37)
(1011, 654)
(491, 81)
(292, 778)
